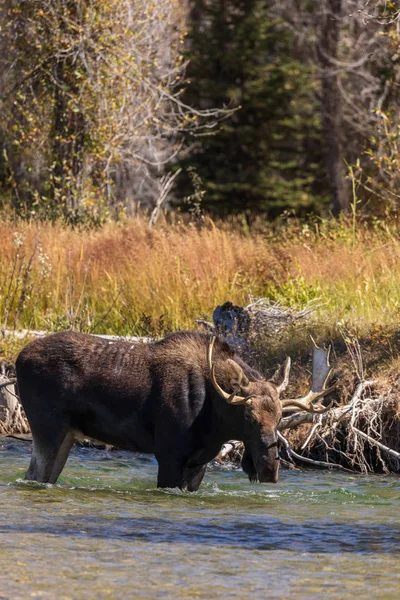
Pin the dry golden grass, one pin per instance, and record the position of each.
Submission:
(125, 279)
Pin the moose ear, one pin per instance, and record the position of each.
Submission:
(238, 379)
(281, 376)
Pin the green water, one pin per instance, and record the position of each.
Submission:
(105, 531)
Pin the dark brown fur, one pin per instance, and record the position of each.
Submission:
(155, 398)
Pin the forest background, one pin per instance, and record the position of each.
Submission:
(261, 136)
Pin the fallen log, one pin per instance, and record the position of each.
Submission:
(12, 417)
(35, 333)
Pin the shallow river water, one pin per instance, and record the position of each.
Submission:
(105, 531)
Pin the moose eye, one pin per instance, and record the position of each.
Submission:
(249, 416)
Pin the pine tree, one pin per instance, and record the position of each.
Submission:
(266, 155)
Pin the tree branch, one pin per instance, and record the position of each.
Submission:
(318, 463)
(376, 443)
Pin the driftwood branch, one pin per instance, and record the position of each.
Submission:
(376, 443)
(318, 463)
(311, 435)
(335, 414)
(23, 333)
(298, 418)
(209, 326)
(8, 382)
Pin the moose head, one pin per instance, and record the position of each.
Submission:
(263, 408)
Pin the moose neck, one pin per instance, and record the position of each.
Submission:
(230, 419)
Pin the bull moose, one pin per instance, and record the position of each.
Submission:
(180, 398)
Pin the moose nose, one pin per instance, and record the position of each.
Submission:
(267, 465)
(268, 476)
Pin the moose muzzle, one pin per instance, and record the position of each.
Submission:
(266, 460)
(261, 461)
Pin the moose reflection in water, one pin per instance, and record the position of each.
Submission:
(180, 398)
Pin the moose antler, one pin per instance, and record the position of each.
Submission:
(239, 380)
(283, 374)
(320, 373)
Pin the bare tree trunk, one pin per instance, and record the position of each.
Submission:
(69, 123)
(12, 417)
(331, 104)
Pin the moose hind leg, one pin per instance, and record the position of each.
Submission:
(48, 459)
(192, 477)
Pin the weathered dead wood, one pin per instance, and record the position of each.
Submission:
(338, 414)
(12, 417)
(34, 333)
(23, 333)
(8, 382)
(364, 418)
(22, 437)
(242, 325)
(360, 411)
(376, 443)
(311, 461)
(231, 451)
(311, 435)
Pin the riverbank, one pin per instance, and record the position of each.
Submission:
(124, 279)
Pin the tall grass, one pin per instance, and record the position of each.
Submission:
(125, 279)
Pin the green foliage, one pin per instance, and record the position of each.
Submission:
(87, 92)
(93, 107)
(294, 292)
(265, 156)
(44, 125)
(375, 173)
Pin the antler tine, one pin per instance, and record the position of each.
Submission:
(230, 398)
(281, 387)
(321, 368)
(317, 410)
(320, 373)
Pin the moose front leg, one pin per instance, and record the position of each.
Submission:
(196, 466)
(192, 477)
(170, 472)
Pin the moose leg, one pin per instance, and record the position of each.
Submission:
(170, 472)
(196, 467)
(48, 458)
(192, 477)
